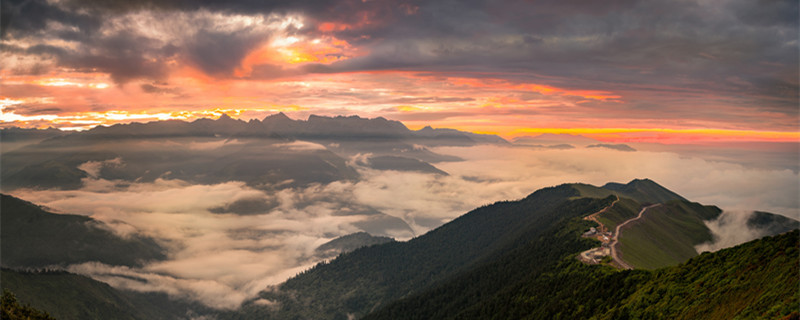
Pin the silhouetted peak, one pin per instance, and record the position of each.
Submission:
(280, 116)
(315, 117)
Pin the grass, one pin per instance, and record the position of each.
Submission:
(623, 210)
(590, 191)
(664, 236)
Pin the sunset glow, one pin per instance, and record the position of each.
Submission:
(393, 159)
(368, 59)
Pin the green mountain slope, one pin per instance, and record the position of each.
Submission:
(69, 296)
(493, 250)
(366, 279)
(11, 309)
(508, 260)
(349, 243)
(666, 234)
(756, 280)
(644, 191)
(33, 237)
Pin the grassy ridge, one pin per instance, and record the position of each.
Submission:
(755, 280)
(623, 210)
(665, 235)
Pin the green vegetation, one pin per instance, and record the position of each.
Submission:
(666, 234)
(541, 280)
(10, 309)
(757, 280)
(644, 191)
(772, 223)
(349, 243)
(33, 237)
(590, 191)
(623, 210)
(70, 296)
(366, 279)
(508, 260)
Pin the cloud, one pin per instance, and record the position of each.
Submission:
(92, 168)
(730, 229)
(733, 46)
(301, 146)
(729, 185)
(223, 248)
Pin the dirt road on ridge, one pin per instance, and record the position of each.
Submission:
(593, 216)
(615, 240)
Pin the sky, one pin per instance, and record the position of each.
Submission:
(623, 70)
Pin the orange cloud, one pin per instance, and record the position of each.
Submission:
(667, 135)
(363, 18)
(88, 120)
(502, 84)
(294, 50)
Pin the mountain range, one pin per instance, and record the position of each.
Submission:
(510, 259)
(275, 152)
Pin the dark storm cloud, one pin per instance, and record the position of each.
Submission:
(25, 17)
(218, 53)
(124, 56)
(738, 47)
(684, 46)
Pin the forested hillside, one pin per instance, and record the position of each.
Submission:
(33, 238)
(756, 280)
(70, 296)
(366, 279)
(508, 260)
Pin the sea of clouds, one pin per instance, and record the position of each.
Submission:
(224, 259)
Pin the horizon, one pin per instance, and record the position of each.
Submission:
(619, 72)
(613, 135)
(165, 185)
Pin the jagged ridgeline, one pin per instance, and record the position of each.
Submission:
(275, 151)
(510, 260)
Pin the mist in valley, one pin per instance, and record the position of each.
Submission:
(228, 238)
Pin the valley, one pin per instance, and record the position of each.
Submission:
(377, 226)
(399, 160)
(499, 252)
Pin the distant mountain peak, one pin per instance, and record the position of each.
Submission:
(545, 139)
(618, 147)
(276, 117)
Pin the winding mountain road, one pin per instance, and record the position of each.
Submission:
(593, 216)
(613, 245)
